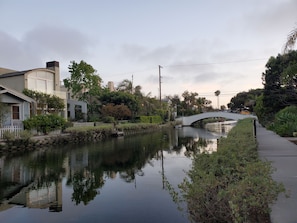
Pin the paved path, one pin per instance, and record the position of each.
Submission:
(283, 155)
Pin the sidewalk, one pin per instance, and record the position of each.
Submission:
(283, 155)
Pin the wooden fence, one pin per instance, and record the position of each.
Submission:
(15, 129)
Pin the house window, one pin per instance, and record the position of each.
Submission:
(41, 81)
(15, 112)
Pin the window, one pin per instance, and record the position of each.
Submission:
(15, 112)
(41, 81)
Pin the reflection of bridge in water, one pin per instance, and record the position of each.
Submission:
(189, 120)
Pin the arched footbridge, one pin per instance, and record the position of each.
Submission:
(189, 120)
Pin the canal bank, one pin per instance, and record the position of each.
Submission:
(283, 155)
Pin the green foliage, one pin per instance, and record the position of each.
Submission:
(119, 112)
(44, 123)
(9, 136)
(233, 184)
(25, 135)
(151, 119)
(83, 78)
(119, 98)
(50, 103)
(285, 122)
(245, 99)
(108, 119)
(279, 81)
(85, 85)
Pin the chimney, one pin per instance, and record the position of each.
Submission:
(54, 65)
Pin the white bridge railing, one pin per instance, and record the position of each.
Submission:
(15, 129)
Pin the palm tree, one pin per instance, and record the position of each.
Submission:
(291, 40)
(217, 93)
(290, 73)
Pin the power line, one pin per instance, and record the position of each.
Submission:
(185, 65)
(217, 63)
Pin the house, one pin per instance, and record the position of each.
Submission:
(46, 80)
(17, 106)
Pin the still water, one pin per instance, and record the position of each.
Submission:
(128, 179)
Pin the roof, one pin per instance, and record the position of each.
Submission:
(5, 70)
(4, 90)
(16, 73)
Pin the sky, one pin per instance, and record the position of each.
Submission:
(201, 45)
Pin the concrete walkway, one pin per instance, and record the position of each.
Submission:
(283, 155)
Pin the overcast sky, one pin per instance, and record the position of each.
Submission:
(202, 45)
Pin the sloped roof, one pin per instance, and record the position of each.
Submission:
(4, 90)
(16, 73)
(5, 70)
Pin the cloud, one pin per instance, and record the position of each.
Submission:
(62, 42)
(16, 56)
(42, 44)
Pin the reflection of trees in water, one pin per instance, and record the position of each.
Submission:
(193, 146)
(85, 186)
(125, 157)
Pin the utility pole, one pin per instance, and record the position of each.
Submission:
(160, 84)
(132, 85)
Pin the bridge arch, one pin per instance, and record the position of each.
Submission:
(189, 120)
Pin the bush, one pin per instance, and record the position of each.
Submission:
(108, 119)
(232, 184)
(151, 119)
(285, 121)
(25, 135)
(44, 123)
(8, 136)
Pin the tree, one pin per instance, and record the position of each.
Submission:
(217, 93)
(84, 84)
(189, 103)
(245, 100)
(125, 86)
(291, 40)
(119, 112)
(279, 93)
(46, 102)
(119, 98)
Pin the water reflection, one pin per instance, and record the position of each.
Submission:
(39, 179)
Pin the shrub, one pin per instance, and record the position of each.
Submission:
(232, 184)
(108, 119)
(8, 136)
(25, 135)
(151, 119)
(285, 121)
(44, 123)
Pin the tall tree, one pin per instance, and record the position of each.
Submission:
(190, 102)
(245, 99)
(83, 81)
(84, 84)
(291, 40)
(126, 86)
(217, 93)
(278, 93)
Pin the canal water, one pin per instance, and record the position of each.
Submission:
(125, 179)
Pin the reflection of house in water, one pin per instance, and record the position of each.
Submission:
(45, 197)
(79, 160)
(20, 187)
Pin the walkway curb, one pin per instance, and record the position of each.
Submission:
(283, 155)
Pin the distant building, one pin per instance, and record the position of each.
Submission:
(110, 86)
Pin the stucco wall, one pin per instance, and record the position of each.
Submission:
(15, 82)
